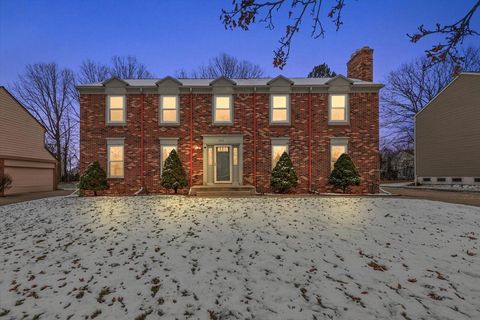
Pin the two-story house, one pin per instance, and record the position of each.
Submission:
(231, 132)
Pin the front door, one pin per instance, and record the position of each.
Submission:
(223, 164)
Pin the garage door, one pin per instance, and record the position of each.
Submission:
(30, 179)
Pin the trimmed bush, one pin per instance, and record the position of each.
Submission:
(284, 176)
(173, 175)
(5, 182)
(94, 178)
(344, 173)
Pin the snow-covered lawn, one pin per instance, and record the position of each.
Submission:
(163, 257)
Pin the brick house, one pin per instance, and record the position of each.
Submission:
(230, 132)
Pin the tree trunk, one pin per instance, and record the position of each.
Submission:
(95, 193)
(175, 189)
(58, 151)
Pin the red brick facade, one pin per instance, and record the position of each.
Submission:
(309, 132)
(362, 133)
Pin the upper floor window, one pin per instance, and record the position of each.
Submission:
(338, 147)
(279, 109)
(115, 157)
(222, 110)
(116, 109)
(169, 110)
(338, 108)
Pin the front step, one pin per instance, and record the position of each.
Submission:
(214, 191)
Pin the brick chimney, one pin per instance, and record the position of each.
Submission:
(360, 65)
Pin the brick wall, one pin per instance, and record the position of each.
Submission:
(362, 132)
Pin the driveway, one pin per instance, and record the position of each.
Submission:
(460, 197)
(32, 196)
(175, 257)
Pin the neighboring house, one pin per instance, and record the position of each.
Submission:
(404, 165)
(447, 134)
(397, 165)
(231, 132)
(23, 154)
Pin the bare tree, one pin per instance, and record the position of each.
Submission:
(46, 91)
(91, 71)
(411, 87)
(243, 13)
(227, 66)
(128, 68)
(70, 139)
(454, 35)
(124, 67)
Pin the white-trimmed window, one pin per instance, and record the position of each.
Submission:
(338, 146)
(115, 158)
(116, 109)
(279, 109)
(222, 109)
(279, 146)
(166, 146)
(169, 111)
(338, 109)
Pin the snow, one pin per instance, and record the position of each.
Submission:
(167, 257)
(450, 187)
(447, 187)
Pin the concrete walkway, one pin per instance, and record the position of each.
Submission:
(32, 196)
(468, 198)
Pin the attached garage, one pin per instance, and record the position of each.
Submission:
(23, 155)
(30, 176)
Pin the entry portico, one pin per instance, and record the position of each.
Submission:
(222, 156)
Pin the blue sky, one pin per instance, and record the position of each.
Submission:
(169, 35)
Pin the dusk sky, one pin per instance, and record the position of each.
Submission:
(171, 35)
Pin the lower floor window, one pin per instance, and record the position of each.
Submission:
(338, 146)
(115, 155)
(166, 147)
(277, 152)
(279, 146)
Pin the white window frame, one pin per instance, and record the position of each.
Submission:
(124, 109)
(337, 142)
(214, 108)
(177, 109)
(115, 142)
(279, 142)
(166, 142)
(346, 110)
(283, 122)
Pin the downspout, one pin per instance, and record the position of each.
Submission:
(414, 150)
(254, 139)
(142, 140)
(310, 139)
(142, 189)
(191, 137)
